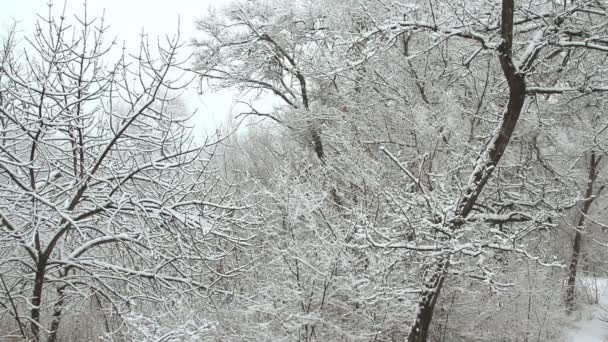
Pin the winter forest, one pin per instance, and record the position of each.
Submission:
(427, 170)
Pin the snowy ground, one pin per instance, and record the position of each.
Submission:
(593, 323)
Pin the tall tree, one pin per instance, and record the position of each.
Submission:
(577, 243)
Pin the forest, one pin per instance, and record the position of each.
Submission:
(400, 170)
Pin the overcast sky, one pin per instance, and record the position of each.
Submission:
(127, 19)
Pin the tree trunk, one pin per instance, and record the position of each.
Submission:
(578, 244)
(57, 311)
(426, 305)
(318, 143)
(37, 297)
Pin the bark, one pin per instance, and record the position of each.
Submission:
(484, 166)
(318, 144)
(57, 311)
(37, 297)
(427, 302)
(578, 236)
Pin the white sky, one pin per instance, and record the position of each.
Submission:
(127, 19)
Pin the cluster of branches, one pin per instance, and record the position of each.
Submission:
(104, 196)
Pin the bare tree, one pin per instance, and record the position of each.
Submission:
(577, 243)
(274, 65)
(104, 196)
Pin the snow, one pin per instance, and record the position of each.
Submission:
(592, 328)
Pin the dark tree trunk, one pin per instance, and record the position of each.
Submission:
(578, 244)
(37, 297)
(318, 144)
(57, 311)
(426, 304)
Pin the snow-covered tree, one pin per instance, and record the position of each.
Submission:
(105, 201)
